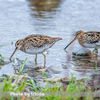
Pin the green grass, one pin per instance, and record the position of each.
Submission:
(73, 86)
(7, 86)
(1, 58)
(12, 43)
(96, 67)
(21, 69)
(50, 87)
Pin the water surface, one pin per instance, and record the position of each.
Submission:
(56, 18)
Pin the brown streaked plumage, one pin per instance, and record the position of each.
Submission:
(90, 39)
(35, 44)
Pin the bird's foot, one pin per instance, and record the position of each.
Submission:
(95, 50)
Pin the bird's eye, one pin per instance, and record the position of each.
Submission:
(77, 34)
(17, 43)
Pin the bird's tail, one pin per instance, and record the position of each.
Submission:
(54, 40)
(58, 38)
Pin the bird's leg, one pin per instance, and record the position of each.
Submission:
(92, 55)
(44, 59)
(96, 49)
(35, 59)
(96, 53)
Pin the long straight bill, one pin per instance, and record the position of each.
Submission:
(70, 43)
(13, 53)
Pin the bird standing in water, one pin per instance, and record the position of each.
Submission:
(90, 39)
(35, 44)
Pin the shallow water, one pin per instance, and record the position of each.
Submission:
(56, 18)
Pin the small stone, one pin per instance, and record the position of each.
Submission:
(17, 62)
(54, 69)
(4, 62)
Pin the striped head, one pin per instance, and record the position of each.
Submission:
(77, 36)
(19, 44)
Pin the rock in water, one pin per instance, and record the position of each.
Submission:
(82, 52)
(54, 69)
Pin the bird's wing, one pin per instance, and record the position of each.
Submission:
(40, 40)
(37, 41)
(93, 37)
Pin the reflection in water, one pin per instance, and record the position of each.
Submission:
(44, 8)
(86, 63)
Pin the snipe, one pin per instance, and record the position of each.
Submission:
(35, 44)
(90, 39)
